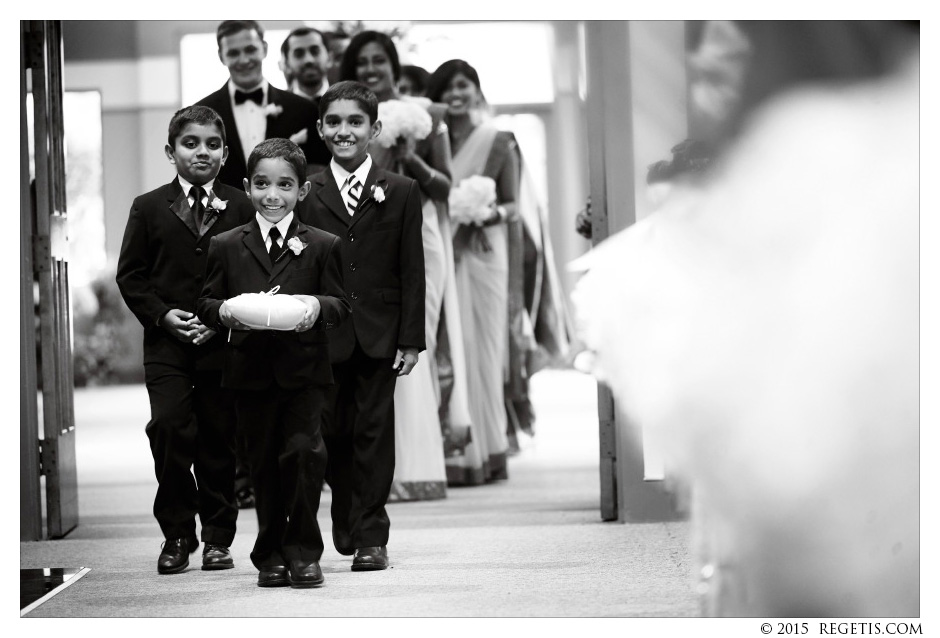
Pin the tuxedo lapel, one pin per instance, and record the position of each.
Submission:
(252, 239)
(328, 193)
(180, 206)
(272, 123)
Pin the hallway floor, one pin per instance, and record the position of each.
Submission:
(532, 546)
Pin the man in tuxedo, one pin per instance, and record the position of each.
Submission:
(305, 60)
(252, 109)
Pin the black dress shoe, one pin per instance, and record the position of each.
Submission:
(175, 555)
(343, 543)
(369, 559)
(216, 557)
(273, 576)
(303, 574)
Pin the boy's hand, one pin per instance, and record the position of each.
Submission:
(202, 332)
(404, 148)
(176, 322)
(228, 319)
(405, 360)
(310, 315)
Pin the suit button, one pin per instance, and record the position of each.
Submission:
(199, 251)
(352, 266)
(353, 295)
(352, 237)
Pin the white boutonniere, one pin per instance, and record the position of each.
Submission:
(378, 194)
(300, 137)
(296, 245)
(218, 205)
(273, 110)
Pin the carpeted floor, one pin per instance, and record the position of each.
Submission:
(531, 546)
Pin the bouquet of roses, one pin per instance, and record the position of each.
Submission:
(402, 118)
(471, 203)
(472, 200)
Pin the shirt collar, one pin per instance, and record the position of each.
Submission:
(186, 185)
(263, 85)
(282, 226)
(340, 174)
(295, 89)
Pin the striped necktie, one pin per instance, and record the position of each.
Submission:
(352, 194)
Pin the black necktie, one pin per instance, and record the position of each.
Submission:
(197, 193)
(256, 96)
(274, 250)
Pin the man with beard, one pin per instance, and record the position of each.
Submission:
(305, 60)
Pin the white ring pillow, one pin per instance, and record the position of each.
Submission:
(266, 311)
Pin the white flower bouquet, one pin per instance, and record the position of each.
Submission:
(471, 201)
(402, 118)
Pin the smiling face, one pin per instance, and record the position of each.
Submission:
(346, 130)
(275, 188)
(374, 69)
(461, 95)
(307, 60)
(242, 53)
(198, 153)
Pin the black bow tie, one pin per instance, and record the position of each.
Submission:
(256, 96)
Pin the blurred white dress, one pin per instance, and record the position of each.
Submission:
(767, 330)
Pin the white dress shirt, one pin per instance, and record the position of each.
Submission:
(187, 188)
(250, 119)
(296, 90)
(266, 227)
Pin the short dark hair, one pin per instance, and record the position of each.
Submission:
(419, 76)
(347, 70)
(355, 91)
(275, 147)
(230, 27)
(302, 31)
(193, 115)
(443, 74)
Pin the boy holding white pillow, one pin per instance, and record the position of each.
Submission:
(281, 373)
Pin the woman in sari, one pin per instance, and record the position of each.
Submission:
(481, 252)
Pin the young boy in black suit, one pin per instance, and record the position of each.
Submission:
(281, 376)
(377, 214)
(160, 275)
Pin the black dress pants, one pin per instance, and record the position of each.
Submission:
(192, 431)
(287, 460)
(359, 431)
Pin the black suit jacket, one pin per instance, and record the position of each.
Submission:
(383, 262)
(238, 263)
(298, 114)
(163, 261)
